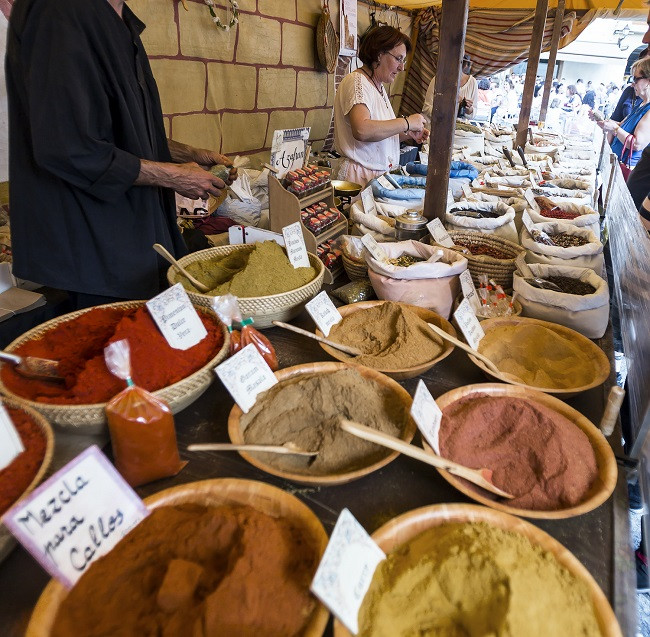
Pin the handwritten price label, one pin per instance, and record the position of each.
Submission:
(439, 234)
(294, 244)
(323, 312)
(469, 325)
(376, 251)
(427, 415)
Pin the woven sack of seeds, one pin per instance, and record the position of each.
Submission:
(582, 305)
(482, 216)
(576, 247)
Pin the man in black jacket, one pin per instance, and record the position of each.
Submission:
(91, 172)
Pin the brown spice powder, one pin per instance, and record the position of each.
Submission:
(536, 454)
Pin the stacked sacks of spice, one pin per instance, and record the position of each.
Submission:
(574, 297)
(558, 243)
(417, 274)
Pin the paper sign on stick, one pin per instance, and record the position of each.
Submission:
(77, 516)
(439, 234)
(295, 245)
(323, 312)
(427, 415)
(468, 323)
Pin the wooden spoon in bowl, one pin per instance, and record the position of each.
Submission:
(164, 253)
(287, 448)
(480, 477)
(33, 367)
(353, 351)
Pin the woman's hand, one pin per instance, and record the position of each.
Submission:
(609, 125)
(420, 136)
(417, 123)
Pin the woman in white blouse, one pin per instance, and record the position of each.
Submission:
(366, 132)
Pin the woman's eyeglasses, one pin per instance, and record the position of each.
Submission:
(399, 60)
(635, 79)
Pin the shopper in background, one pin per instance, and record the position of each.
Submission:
(92, 174)
(467, 92)
(573, 101)
(366, 132)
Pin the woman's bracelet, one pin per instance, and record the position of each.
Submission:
(408, 126)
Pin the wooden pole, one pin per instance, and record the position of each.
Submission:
(552, 56)
(453, 25)
(531, 71)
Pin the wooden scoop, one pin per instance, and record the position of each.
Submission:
(465, 347)
(286, 448)
(33, 367)
(164, 253)
(480, 477)
(353, 351)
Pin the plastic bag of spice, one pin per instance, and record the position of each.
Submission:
(141, 426)
(227, 309)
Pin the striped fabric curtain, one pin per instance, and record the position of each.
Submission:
(495, 40)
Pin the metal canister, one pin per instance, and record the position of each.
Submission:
(410, 225)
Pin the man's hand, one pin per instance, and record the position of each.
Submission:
(182, 153)
(419, 136)
(188, 179)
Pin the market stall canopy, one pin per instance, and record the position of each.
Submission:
(571, 5)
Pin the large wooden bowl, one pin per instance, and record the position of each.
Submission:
(260, 496)
(599, 358)
(406, 372)
(603, 486)
(237, 435)
(7, 541)
(407, 526)
(263, 309)
(91, 418)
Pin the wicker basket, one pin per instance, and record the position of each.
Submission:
(263, 309)
(500, 270)
(355, 268)
(327, 43)
(90, 419)
(7, 541)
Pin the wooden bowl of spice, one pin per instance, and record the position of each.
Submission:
(542, 355)
(24, 474)
(551, 457)
(268, 593)
(398, 330)
(304, 409)
(77, 339)
(266, 273)
(492, 561)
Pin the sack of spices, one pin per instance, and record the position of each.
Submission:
(489, 218)
(576, 212)
(581, 304)
(141, 426)
(418, 274)
(226, 307)
(572, 246)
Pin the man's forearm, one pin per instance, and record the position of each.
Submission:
(181, 153)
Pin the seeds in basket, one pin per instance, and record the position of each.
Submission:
(193, 569)
(262, 269)
(535, 453)
(79, 346)
(474, 578)
(306, 409)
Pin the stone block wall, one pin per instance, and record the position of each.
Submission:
(230, 90)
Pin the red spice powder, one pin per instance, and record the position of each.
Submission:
(79, 346)
(16, 477)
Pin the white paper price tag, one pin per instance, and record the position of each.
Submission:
(532, 175)
(77, 516)
(468, 323)
(176, 318)
(385, 183)
(427, 415)
(527, 221)
(469, 290)
(323, 312)
(376, 251)
(439, 234)
(530, 198)
(245, 375)
(346, 570)
(467, 191)
(368, 201)
(294, 244)
(11, 445)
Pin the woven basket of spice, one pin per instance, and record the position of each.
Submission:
(24, 474)
(489, 255)
(263, 309)
(355, 268)
(77, 339)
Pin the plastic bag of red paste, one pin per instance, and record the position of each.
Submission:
(141, 426)
(227, 309)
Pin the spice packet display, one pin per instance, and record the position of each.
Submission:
(226, 307)
(494, 301)
(355, 292)
(319, 217)
(141, 426)
(306, 180)
(330, 254)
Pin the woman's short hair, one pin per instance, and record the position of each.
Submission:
(642, 67)
(484, 84)
(572, 89)
(379, 40)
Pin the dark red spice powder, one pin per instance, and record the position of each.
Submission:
(16, 477)
(79, 346)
